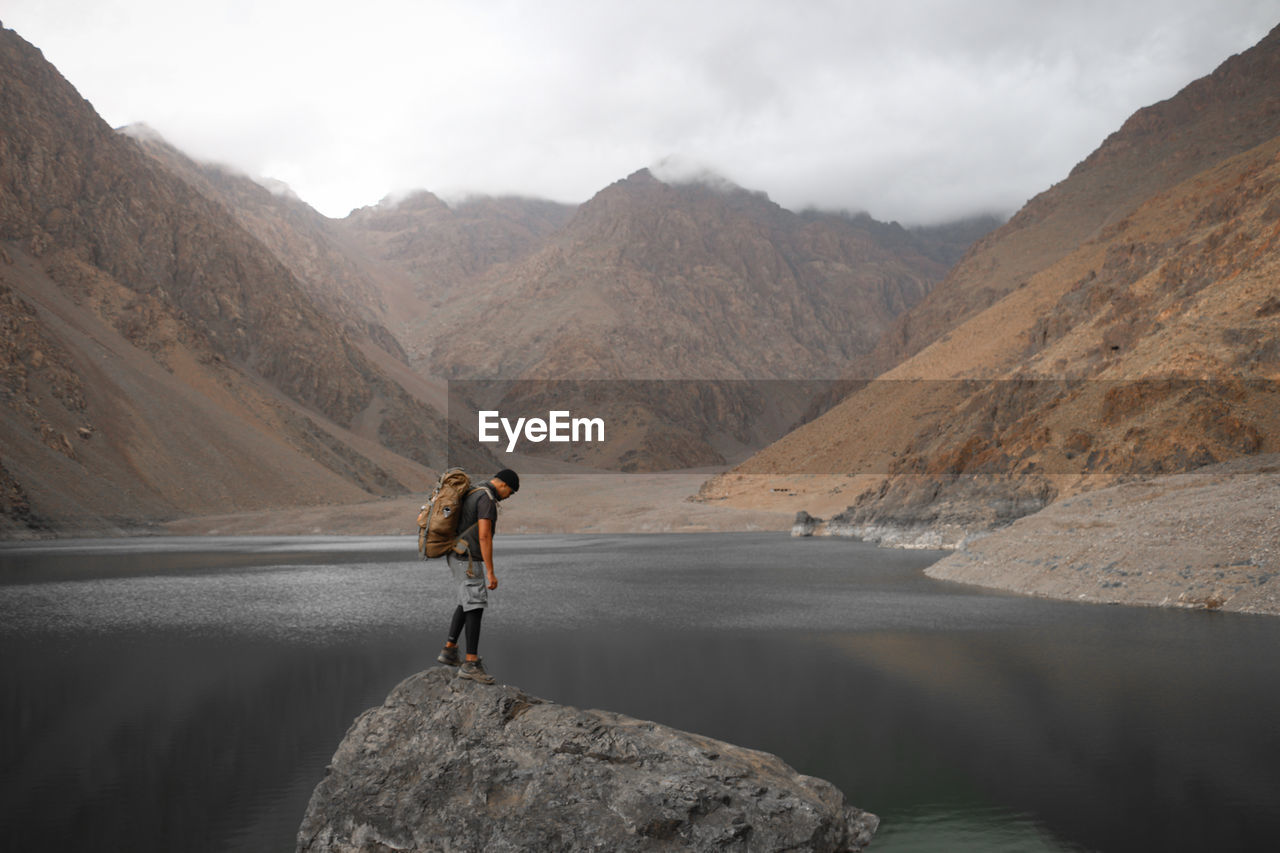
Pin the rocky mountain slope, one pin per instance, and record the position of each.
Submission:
(729, 277)
(349, 285)
(1124, 324)
(160, 359)
(699, 281)
(1212, 119)
(345, 277)
(442, 248)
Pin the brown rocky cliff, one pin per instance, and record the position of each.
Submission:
(77, 196)
(111, 418)
(668, 281)
(1149, 350)
(1212, 119)
(295, 233)
(705, 281)
(1145, 348)
(34, 368)
(202, 357)
(647, 280)
(348, 287)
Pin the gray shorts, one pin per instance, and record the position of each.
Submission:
(473, 592)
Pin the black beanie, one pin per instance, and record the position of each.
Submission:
(511, 478)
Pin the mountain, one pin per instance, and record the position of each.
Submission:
(650, 282)
(442, 246)
(1212, 119)
(182, 339)
(434, 252)
(1122, 325)
(363, 293)
(709, 266)
(159, 358)
(698, 280)
(348, 285)
(948, 242)
(651, 285)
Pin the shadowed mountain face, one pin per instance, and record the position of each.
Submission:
(159, 358)
(443, 247)
(1123, 324)
(345, 283)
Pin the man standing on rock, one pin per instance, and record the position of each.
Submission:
(477, 520)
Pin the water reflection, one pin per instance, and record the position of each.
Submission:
(931, 827)
(170, 742)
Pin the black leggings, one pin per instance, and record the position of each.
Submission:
(472, 620)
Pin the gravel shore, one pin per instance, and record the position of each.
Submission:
(1208, 539)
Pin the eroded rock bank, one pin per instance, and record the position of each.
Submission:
(446, 764)
(1208, 539)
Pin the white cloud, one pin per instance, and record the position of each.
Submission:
(912, 110)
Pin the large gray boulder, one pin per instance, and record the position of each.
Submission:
(450, 765)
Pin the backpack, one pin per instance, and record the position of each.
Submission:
(438, 520)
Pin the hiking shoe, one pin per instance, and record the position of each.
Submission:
(449, 656)
(474, 669)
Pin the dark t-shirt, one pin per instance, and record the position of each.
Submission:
(475, 506)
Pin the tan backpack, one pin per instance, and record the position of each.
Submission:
(438, 519)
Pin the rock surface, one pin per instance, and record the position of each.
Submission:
(446, 764)
(805, 524)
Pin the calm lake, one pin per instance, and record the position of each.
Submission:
(186, 694)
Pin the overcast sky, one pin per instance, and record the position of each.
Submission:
(915, 110)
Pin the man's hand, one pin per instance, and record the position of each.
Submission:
(493, 580)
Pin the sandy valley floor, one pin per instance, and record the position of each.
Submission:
(551, 503)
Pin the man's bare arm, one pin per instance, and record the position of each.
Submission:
(486, 550)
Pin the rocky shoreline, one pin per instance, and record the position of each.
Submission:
(1208, 539)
